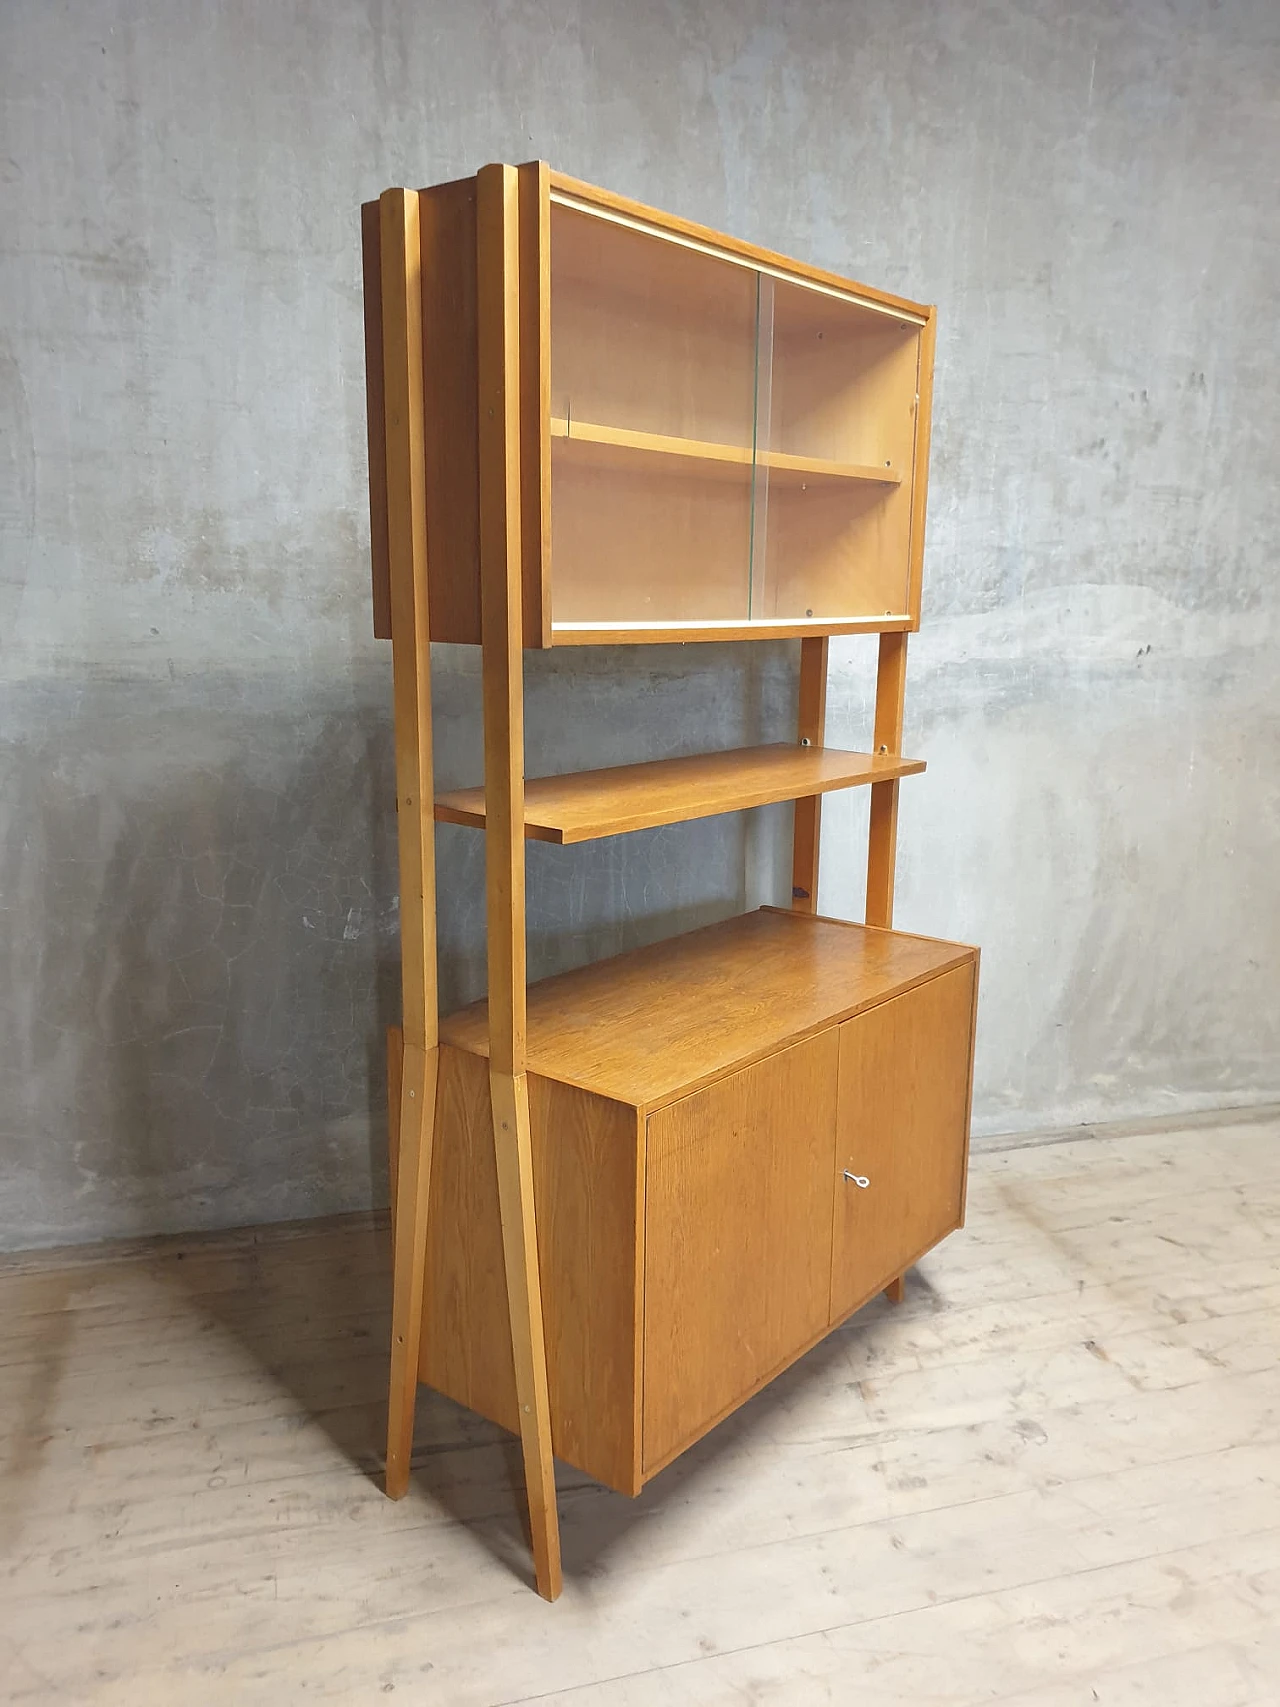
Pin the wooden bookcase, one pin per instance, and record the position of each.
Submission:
(624, 1198)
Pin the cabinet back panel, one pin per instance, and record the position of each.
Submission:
(644, 544)
(649, 335)
(737, 1239)
(843, 382)
(836, 551)
(656, 1023)
(838, 383)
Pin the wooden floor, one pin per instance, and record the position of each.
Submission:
(1051, 1477)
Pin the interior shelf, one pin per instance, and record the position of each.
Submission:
(656, 1023)
(615, 447)
(587, 804)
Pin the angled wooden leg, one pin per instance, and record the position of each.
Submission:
(413, 1188)
(896, 1290)
(497, 272)
(394, 289)
(510, 1094)
(395, 1071)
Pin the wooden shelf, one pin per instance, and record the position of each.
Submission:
(787, 470)
(616, 447)
(587, 804)
(660, 1022)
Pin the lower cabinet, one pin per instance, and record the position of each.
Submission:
(689, 1254)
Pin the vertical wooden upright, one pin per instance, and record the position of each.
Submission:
(882, 835)
(812, 723)
(400, 266)
(498, 321)
(891, 671)
(882, 839)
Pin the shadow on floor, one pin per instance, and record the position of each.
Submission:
(312, 1306)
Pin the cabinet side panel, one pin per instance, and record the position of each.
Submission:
(737, 1238)
(535, 401)
(466, 1345)
(968, 1101)
(920, 466)
(903, 1129)
(584, 1162)
(449, 355)
(371, 250)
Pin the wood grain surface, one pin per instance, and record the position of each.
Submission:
(586, 1159)
(903, 1128)
(450, 377)
(811, 724)
(662, 1021)
(737, 1238)
(375, 418)
(584, 805)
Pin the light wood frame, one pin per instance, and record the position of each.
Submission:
(503, 214)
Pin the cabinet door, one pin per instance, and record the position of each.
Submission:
(737, 1238)
(902, 1125)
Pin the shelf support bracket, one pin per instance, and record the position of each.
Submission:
(502, 671)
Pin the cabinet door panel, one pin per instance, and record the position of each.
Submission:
(902, 1125)
(737, 1240)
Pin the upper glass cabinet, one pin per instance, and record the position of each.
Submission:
(730, 447)
(701, 440)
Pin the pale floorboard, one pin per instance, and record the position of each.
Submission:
(1052, 1476)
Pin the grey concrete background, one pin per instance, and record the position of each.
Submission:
(197, 866)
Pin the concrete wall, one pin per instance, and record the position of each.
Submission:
(197, 866)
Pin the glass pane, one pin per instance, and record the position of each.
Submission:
(652, 420)
(835, 444)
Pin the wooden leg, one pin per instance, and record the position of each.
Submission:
(395, 1074)
(510, 1094)
(896, 1290)
(413, 1188)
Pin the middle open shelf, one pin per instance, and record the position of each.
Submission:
(584, 805)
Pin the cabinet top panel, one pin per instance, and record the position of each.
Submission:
(660, 1022)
